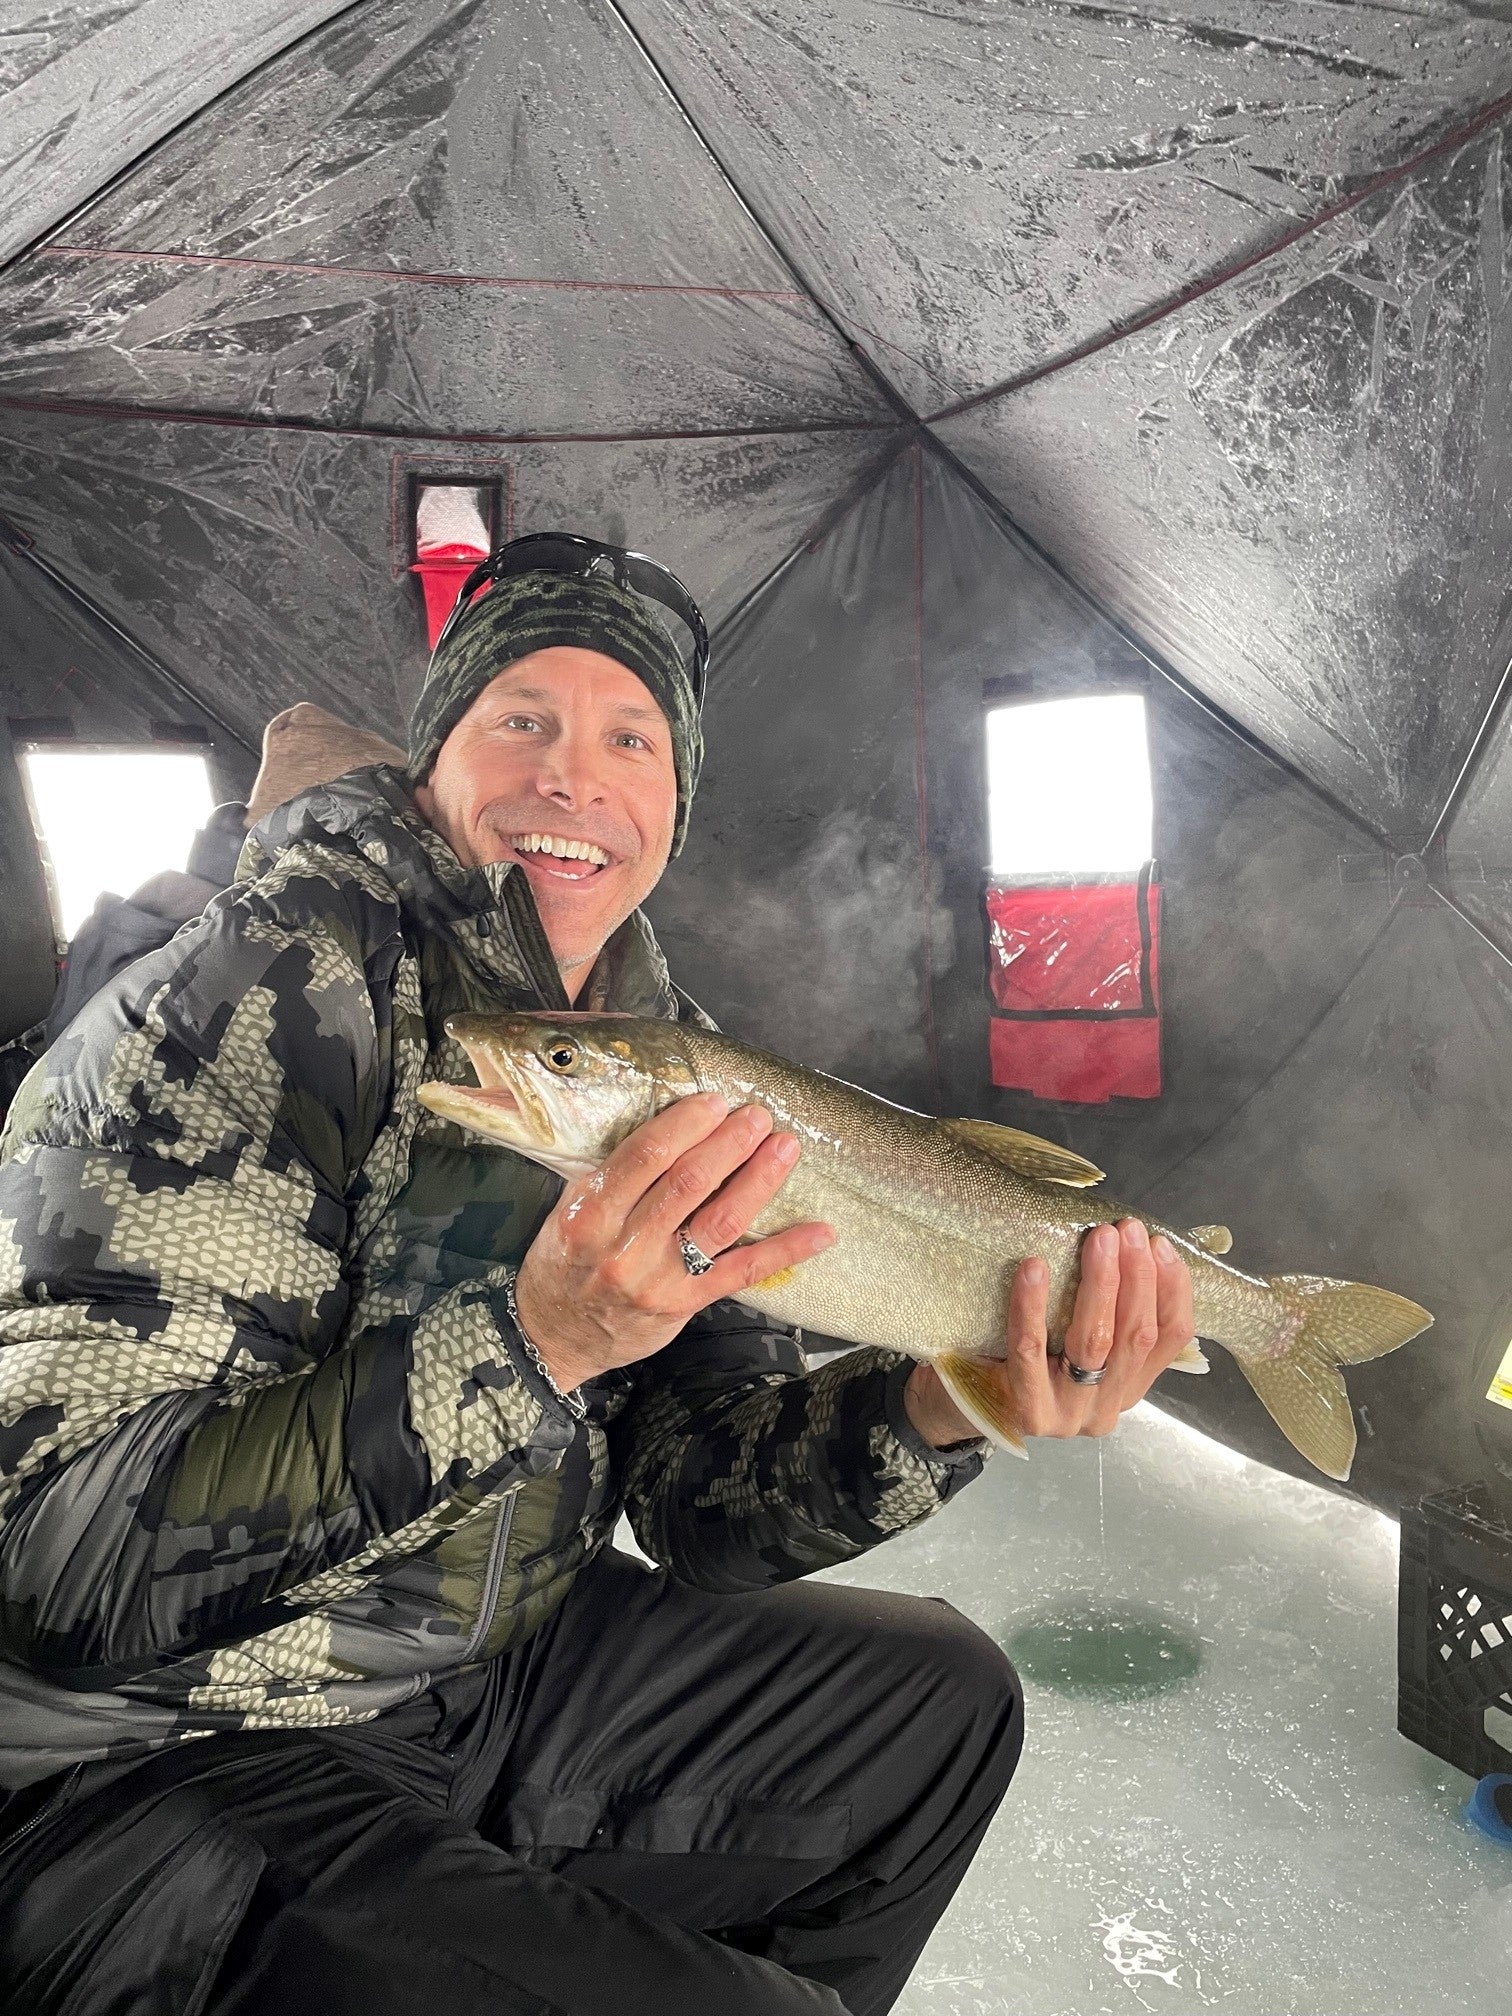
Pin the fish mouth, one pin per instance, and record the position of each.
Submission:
(503, 1103)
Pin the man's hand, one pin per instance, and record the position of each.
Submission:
(1133, 1314)
(604, 1282)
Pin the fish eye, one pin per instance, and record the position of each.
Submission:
(561, 1055)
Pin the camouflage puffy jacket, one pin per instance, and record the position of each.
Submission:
(269, 1456)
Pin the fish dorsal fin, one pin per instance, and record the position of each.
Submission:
(1026, 1154)
(1211, 1238)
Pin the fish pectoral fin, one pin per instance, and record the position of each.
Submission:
(1212, 1238)
(1192, 1359)
(1026, 1154)
(985, 1403)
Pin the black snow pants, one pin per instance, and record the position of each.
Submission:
(663, 1804)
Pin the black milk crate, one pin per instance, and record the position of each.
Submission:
(1454, 1629)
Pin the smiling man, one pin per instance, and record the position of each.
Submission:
(522, 756)
(316, 1418)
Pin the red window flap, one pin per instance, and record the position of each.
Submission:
(442, 570)
(1078, 947)
(1073, 977)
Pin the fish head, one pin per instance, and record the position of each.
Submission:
(562, 1089)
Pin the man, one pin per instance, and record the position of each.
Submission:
(316, 1416)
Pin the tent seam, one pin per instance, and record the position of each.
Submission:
(131, 167)
(921, 780)
(89, 409)
(1118, 332)
(828, 520)
(1479, 743)
(20, 542)
(414, 277)
(874, 372)
(1452, 902)
(1157, 664)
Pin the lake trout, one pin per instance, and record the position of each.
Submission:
(931, 1216)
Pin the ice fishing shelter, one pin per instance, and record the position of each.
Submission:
(958, 356)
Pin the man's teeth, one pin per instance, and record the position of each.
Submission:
(566, 850)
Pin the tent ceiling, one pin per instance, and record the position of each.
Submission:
(89, 86)
(441, 218)
(1296, 486)
(1479, 838)
(998, 181)
(463, 224)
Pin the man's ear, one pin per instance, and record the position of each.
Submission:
(425, 805)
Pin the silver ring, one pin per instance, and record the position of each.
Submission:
(694, 1257)
(1082, 1375)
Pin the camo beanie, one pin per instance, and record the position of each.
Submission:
(531, 612)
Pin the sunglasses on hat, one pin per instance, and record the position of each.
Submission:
(571, 553)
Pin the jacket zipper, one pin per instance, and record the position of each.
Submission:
(45, 1812)
(492, 1578)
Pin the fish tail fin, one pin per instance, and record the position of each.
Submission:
(970, 1384)
(1352, 1320)
(1324, 1324)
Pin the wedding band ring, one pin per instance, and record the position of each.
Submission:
(694, 1258)
(1082, 1375)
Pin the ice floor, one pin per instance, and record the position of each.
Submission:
(1214, 1810)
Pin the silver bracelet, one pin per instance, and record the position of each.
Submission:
(576, 1406)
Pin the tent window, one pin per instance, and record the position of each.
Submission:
(1072, 900)
(452, 515)
(1068, 787)
(455, 527)
(106, 819)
